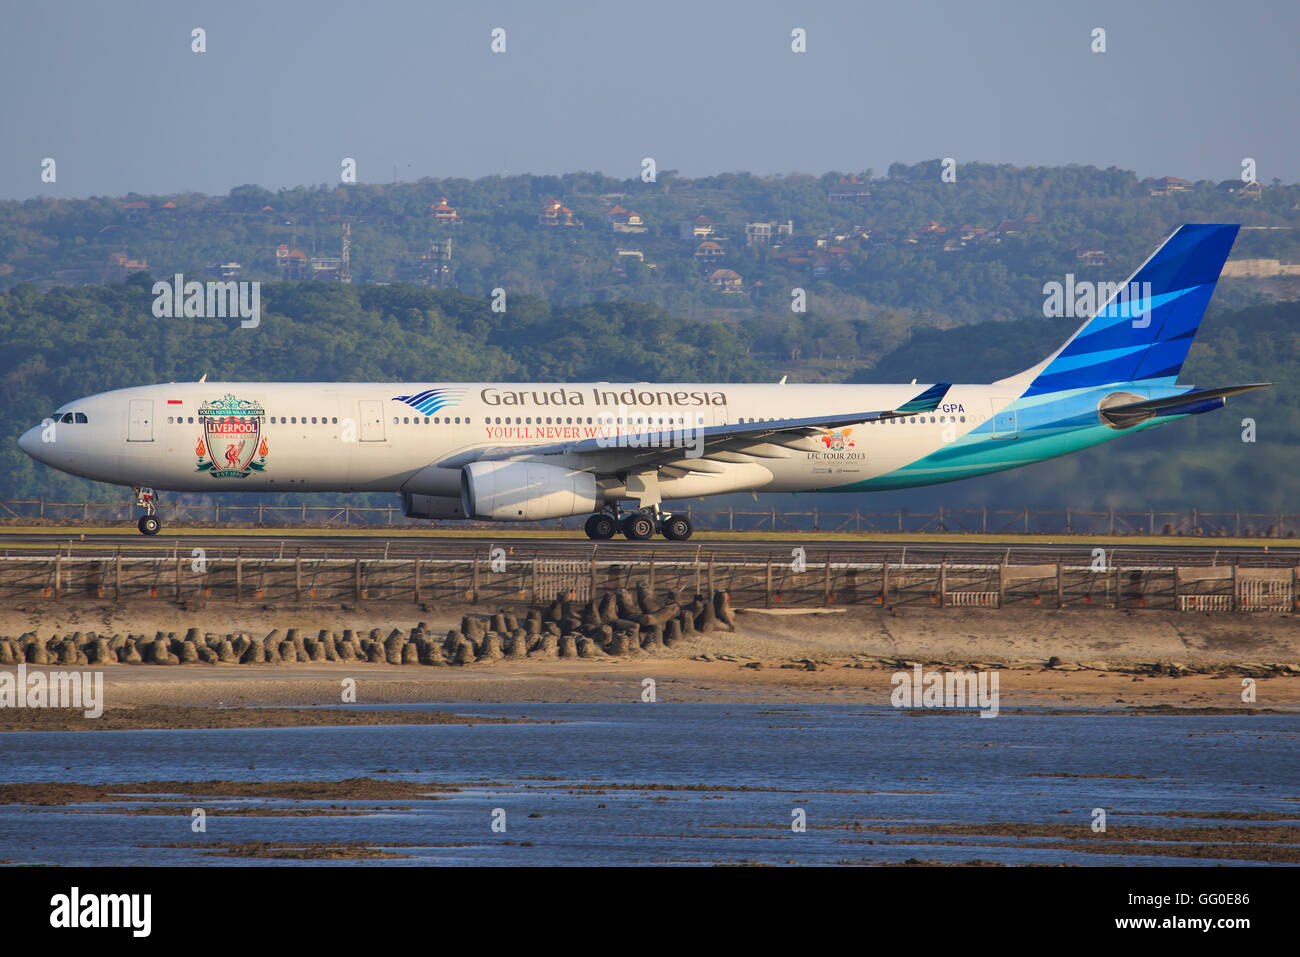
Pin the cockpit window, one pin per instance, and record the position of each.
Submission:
(67, 417)
(81, 418)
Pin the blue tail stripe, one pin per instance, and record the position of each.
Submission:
(1178, 331)
(1068, 364)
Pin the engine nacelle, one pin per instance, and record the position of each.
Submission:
(525, 491)
(415, 505)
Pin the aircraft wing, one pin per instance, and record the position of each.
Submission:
(774, 438)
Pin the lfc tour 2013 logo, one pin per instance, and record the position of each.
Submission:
(232, 444)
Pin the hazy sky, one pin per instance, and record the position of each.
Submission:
(112, 91)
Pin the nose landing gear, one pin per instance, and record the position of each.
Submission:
(150, 523)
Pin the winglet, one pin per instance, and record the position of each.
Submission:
(927, 401)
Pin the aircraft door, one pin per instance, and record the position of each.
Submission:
(372, 421)
(1004, 418)
(139, 426)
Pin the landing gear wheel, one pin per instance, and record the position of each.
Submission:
(601, 526)
(638, 527)
(149, 525)
(677, 528)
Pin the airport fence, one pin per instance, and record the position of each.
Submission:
(491, 576)
(985, 521)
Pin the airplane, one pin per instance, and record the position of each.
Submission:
(514, 452)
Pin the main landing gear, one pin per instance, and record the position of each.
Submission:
(150, 523)
(638, 526)
(601, 526)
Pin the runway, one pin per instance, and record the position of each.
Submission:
(522, 544)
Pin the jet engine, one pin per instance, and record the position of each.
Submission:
(525, 491)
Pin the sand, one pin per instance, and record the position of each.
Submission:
(848, 656)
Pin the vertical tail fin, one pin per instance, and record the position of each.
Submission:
(1144, 330)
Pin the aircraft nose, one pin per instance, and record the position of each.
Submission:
(30, 442)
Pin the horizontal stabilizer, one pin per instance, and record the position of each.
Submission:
(1187, 403)
(1187, 398)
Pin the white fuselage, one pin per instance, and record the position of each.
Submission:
(310, 437)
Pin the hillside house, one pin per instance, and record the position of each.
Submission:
(556, 214)
(697, 227)
(726, 281)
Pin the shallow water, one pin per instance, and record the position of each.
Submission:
(852, 770)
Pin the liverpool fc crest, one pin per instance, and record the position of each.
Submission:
(837, 440)
(232, 444)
